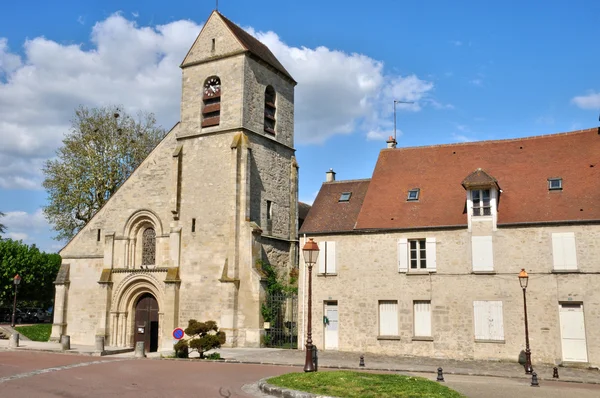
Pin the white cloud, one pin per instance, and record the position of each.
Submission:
(17, 236)
(461, 138)
(138, 67)
(20, 221)
(476, 82)
(81, 20)
(457, 43)
(590, 101)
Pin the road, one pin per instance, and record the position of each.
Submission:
(42, 375)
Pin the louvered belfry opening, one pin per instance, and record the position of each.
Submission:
(211, 98)
(270, 110)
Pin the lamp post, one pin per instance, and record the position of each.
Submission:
(523, 280)
(310, 252)
(16, 281)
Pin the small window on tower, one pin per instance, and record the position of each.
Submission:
(269, 210)
(413, 194)
(193, 225)
(98, 236)
(270, 110)
(345, 196)
(554, 184)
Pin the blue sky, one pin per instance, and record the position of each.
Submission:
(475, 70)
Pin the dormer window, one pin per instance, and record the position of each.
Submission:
(481, 202)
(413, 194)
(554, 184)
(270, 110)
(482, 198)
(211, 98)
(345, 196)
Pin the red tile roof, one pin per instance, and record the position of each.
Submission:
(328, 214)
(521, 167)
(255, 47)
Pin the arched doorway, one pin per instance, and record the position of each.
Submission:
(146, 322)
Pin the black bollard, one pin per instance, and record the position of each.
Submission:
(534, 380)
(555, 373)
(361, 363)
(440, 376)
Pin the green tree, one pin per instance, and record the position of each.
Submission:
(2, 226)
(103, 147)
(37, 270)
(204, 336)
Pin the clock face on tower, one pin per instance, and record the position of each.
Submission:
(212, 87)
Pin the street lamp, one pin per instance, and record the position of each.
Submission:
(16, 281)
(310, 252)
(523, 280)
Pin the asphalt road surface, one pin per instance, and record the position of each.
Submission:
(41, 375)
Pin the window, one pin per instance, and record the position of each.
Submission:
(388, 318)
(564, 252)
(345, 196)
(554, 184)
(149, 247)
(326, 259)
(270, 110)
(481, 202)
(489, 324)
(422, 318)
(211, 111)
(98, 236)
(269, 210)
(417, 255)
(193, 225)
(413, 194)
(482, 253)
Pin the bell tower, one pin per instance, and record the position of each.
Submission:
(237, 170)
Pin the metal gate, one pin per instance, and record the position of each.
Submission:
(280, 313)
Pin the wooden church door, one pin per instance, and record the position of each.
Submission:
(146, 322)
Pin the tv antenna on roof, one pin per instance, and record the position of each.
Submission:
(398, 102)
(217, 6)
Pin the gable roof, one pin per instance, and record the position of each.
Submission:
(479, 179)
(328, 214)
(255, 47)
(521, 166)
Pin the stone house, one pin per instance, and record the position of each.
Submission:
(423, 258)
(183, 236)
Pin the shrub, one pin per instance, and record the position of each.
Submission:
(181, 349)
(213, 355)
(204, 336)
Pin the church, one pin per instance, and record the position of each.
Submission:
(185, 236)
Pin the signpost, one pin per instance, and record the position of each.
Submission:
(178, 333)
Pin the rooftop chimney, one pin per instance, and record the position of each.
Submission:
(391, 142)
(330, 176)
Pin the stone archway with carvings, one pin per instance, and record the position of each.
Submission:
(127, 295)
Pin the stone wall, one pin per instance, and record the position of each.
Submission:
(367, 272)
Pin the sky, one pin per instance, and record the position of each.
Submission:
(474, 70)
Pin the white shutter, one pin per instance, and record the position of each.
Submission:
(431, 254)
(422, 315)
(479, 318)
(488, 319)
(330, 268)
(496, 322)
(388, 318)
(483, 253)
(564, 251)
(322, 257)
(402, 255)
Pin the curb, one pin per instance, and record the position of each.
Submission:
(285, 392)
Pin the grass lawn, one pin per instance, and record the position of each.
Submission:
(39, 332)
(350, 384)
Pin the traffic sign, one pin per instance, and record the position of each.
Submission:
(178, 333)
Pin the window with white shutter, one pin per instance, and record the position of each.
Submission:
(417, 255)
(388, 318)
(422, 318)
(483, 253)
(327, 258)
(488, 320)
(564, 252)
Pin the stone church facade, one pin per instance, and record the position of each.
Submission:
(184, 236)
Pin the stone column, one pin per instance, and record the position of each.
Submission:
(109, 249)
(113, 329)
(61, 285)
(125, 336)
(175, 244)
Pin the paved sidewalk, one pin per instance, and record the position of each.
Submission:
(348, 360)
